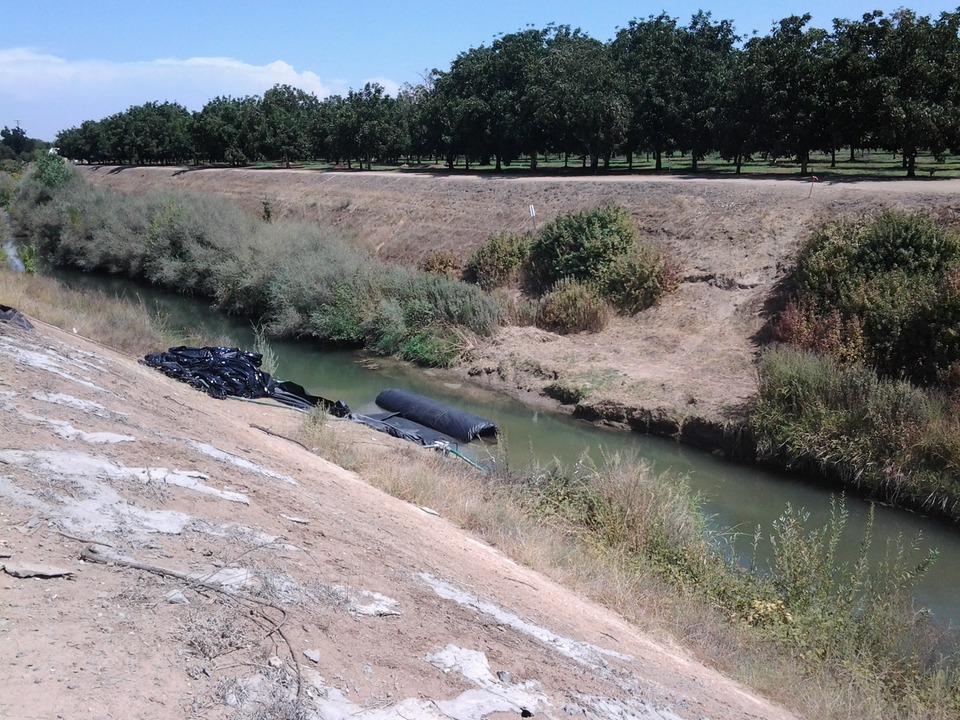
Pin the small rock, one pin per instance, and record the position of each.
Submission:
(504, 677)
(295, 519)
(29, 570)
(313, 655)
(275, 662)
(176, 597)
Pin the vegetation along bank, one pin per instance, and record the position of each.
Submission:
(827, 638)
(675, 355)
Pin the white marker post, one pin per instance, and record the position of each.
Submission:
(533, 217)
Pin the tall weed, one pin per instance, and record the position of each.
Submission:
(885, 437)
(851, 626)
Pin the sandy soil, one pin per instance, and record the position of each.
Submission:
(168, 555)
(682, 368)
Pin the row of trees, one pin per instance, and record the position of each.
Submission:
(658, 88)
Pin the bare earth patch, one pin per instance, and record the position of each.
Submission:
(166, 558)
(683, 368)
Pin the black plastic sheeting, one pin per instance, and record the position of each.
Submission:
(14, 317)
(230, 372)
(458, 424)
(398, 427)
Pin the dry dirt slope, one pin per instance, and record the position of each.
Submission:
(200, 566)
(689, 359)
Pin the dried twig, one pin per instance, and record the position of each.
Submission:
(92, 554)
(268, 431)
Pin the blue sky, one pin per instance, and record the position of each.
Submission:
(65, 61)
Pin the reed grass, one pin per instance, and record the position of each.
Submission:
(885, 438)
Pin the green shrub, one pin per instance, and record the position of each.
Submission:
(441, 262)
(433, 299)
(386, 329)
(637, 279)
(50, 170)
(895, 277)
(436, 346)
(298, 279)
(499, 261)
(581, 246)
(572, 307)
(832, 335)
(340, 319)
(30, 258)
(8, 186)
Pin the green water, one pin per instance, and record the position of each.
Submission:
(735, 496)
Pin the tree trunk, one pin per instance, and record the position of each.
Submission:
(738, 161)
(497, 168)
(911, 162)
(693, 159)
(533, 161)
(833, 157)
(630, 160)
(658, 156)
(853, 156)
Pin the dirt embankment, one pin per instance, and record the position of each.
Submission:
(167, 555)
(684, 368)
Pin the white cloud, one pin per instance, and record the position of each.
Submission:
(47, 94)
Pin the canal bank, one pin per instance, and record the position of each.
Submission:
(736, 497)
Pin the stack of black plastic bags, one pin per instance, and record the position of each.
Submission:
(231, 372)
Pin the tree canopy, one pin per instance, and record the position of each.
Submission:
(659, 87)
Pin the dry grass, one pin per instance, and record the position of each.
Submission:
(118, 325)
(502, 512)
(215, 632)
